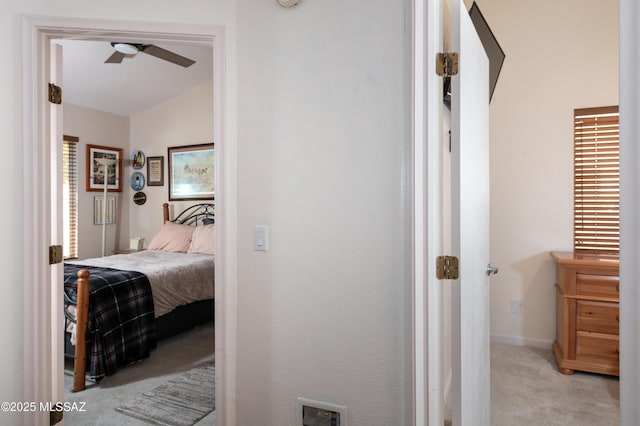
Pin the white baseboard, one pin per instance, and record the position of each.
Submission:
(520, 341)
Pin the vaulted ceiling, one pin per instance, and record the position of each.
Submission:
(134, 85)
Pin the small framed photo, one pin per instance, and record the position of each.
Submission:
(104, 162)
(155, 171)
(192, 172)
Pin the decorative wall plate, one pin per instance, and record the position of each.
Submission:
(137, 159)
(137, 181)
(139, 198)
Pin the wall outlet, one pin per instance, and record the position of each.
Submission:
(319, 413)
(516, 307)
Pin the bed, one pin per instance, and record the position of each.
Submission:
(118, 307)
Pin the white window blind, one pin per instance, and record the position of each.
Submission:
(596, 180)
(70, 195)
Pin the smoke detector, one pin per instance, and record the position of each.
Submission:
(288, 3)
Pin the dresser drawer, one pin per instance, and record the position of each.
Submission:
(598, 285)
(599, 317)
(601, 346)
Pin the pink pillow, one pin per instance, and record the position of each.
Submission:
(172, 237)
(203, 240)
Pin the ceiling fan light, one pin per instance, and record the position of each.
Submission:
(126, 48)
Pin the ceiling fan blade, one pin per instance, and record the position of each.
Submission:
(161, 53)
(115, 58)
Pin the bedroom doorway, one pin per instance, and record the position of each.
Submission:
(44, 381)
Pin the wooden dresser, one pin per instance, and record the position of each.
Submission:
(587, 313)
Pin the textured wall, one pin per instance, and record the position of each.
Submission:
(321, 144)
(186, 119)
(105, 129)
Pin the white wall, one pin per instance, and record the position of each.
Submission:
(559, 56)
(95, 127)
(321, 143)
(319, 92)
(184, 120)
(318, 153)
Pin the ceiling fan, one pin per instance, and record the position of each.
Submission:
(124, 49)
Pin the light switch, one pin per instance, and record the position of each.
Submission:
(261, 238)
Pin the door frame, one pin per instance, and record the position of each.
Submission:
(40, 379)
(426, 213)
(629, 212)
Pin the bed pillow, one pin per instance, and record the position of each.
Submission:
(172, 237)
(203, 240)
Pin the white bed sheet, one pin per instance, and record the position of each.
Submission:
(176, 278)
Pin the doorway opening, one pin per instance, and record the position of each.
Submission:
(43, 283)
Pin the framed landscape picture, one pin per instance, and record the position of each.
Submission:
(104, 161)
(192, 172)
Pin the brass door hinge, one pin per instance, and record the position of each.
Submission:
(447, 64)
(447, 268)
(55, 417)
(55, 254)
(55, 94)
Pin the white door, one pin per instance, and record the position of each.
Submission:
(470, 395)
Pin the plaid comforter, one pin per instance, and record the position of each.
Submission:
(121, 324)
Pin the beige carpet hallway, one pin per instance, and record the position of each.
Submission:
(527, 390)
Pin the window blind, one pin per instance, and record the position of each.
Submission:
(596, 202)
(70, 195)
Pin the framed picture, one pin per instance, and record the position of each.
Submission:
(155, 171)
(192, 172)
(104, 161)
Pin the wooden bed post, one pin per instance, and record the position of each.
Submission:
(82, 306)
(165, 212)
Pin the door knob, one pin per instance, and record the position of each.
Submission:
(491, 270)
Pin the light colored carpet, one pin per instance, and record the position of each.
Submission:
(527, 390)
(172, 358)
(179, 402)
